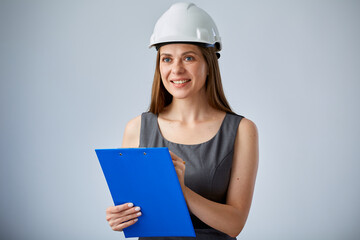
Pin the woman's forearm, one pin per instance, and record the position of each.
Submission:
(222, 217)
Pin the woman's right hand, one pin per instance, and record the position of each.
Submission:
(122, 216)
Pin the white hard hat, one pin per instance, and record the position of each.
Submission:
(185, 22)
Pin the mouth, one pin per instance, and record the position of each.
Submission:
(181, 81)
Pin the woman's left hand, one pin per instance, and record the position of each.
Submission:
(179, 167)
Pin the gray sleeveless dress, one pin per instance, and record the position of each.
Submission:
(208, 167)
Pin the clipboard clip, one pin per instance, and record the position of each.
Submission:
(122, 154)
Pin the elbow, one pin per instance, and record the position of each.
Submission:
(236, 231)
(236, 223)
(235, 234)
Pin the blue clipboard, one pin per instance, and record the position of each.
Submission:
(147, 178)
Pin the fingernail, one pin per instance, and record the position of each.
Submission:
(139, 213)
(130, 205)
(135, 220)
(137, 209)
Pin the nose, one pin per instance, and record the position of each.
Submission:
(178, 67)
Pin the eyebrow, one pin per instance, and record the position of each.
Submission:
(184, 53)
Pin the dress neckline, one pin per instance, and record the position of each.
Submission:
(189, 145)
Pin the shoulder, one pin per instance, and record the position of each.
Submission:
(132, 133)
(247, 128)
(247, 137)
(134, 124)
(242, 126)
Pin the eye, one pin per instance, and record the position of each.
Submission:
(189, 58)
(166, 59)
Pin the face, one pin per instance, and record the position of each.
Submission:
(183, 70)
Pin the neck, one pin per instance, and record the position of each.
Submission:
(191, 109)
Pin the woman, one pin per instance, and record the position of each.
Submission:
(214, 151)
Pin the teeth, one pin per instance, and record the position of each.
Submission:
(180, 81)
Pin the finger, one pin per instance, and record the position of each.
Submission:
(119, 208)
(128, 212)
(114, 212)
(120, 227)
(125, 219)
(179, 162)
(174, 156)
(116, 219)
(179, 165)
(114, 216)
(180, 171)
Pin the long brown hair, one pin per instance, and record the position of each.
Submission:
(160, 97)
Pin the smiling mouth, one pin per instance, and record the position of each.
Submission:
(180, 81)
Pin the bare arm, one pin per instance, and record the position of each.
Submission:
(131, 137)
(230, 218)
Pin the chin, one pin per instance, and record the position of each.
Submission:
(179, 96)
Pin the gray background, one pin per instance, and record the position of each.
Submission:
(74, 72)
